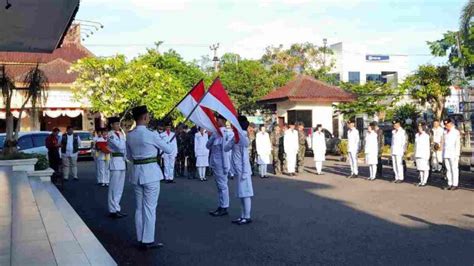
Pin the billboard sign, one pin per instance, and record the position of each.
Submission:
(371, 57)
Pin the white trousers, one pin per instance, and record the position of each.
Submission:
(263, 170)
(103, 174)
(222, 187)
(69, 163)
(452, 173)
(117, 178)
(353, 163)
(202, 172)
(169, 161)
(145, 213)
(397, 163)
(246, 206)
(319, 167)
(373, 171)
(424, 176)
(291, 162)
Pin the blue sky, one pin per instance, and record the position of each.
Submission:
(247, 27)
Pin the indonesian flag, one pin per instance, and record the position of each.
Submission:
(218, 100)
(202, 116)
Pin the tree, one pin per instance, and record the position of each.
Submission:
(246, 81)
(114, 87)
(429, 84)
(466, 15)
(34, 92)
(372, 98)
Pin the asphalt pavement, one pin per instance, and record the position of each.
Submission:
(304, 220)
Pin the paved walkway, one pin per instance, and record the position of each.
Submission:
(305, 220)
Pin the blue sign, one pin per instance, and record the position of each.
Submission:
(372, 57)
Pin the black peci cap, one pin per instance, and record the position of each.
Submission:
(396, 121)
(113, 119)
(138, 111)
(447, 121)
(373, 124)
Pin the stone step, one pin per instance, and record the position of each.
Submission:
(94, 251)
(66, 249)
(5, 218)
(29, 241)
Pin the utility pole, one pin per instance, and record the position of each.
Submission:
(325, 42)
(215, 59)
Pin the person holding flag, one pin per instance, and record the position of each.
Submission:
(243, 170)
(103, 158)
(169, 159)
(117, 145)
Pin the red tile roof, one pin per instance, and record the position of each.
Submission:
(69, 52)
(306, 88)
(56, 71)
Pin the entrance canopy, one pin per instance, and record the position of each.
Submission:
(35, 25)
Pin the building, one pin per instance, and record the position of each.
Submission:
(353, 64)
(59, 109)
(310, 101)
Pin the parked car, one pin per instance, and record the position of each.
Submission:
(85, 147)
(29, 142)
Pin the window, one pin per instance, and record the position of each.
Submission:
(25, 142)
(305, 116)
(39, 140)
(354, 77)
(374, 77)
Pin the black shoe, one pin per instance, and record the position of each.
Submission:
(454, 188)
(355, 176)
(117, 215)
(76, 179)
(447, 188)
(244, 221)
(236, 221)
(419, 185)
(394, 181)
(122, 214)
(153, 245)
(349, 176)
(398, 181)
(99, 184)
(219, 212)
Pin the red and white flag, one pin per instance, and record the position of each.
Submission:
(201, 116)
(218, 100)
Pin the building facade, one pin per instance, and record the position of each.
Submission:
(357, 65)
(59, 109)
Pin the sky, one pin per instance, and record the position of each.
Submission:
(247, 27)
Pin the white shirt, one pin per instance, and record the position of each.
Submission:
(143, 143)
(117, 144)
(438, 134)
(371, 143)
(422, 146)
(200, 141)
(353, 139)
(174, 143)
(399, 142)
(451, 144)
(290, 141)
(70, 145)
(264, 146)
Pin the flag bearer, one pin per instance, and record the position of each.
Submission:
(142, 149)
(291, 147)
(103, 158)
(169, 159)
(264, 151)
(117, 146)
(201, 152)
(422, 153)
(372, 150)
(220, 164)
(241, 162)
(399, 144)
(451, 153)
(353, 145)
(319, 148)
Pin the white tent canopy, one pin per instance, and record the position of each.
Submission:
(35, 25)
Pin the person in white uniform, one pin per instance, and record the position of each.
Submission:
(398, 148)
(117, 165)
(243, 170)
(231, 172)
(201, 152)
(169, 159)
(220, 164)
(371, 150)
(264, 151)
(451, 153)
(142, 149)
(353, 146)
(422, 153)
(291, 147)
(437, 133)
(103, 158)
(318, 145)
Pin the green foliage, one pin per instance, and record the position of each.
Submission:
(429, 84)
(41, 164)
(246, 81)
(372, 98)
(405, 112)
(343, 147)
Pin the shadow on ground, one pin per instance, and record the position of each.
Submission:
(292, 226)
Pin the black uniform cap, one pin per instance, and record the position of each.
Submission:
(396, 121)
(447, 121)
(113, 119)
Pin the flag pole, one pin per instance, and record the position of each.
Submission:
(195, 107)
(182, 99)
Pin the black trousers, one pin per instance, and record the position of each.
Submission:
(54, 159)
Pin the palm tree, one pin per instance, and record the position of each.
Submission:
(467, 14)
(34, 92)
